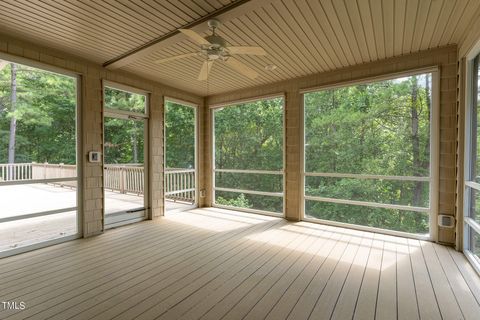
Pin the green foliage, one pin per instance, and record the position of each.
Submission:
(179, 136)
(123, 100)
(124, 138)
(368, 129)
(240, 202)
(45, 113)
(407, 221)
(381, 128)
(250, 137)
(124, 141)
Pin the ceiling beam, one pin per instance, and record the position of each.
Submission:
(226, 13)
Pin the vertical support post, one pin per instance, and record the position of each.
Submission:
(122, 180)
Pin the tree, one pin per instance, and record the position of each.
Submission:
(124, 138)
(38, 115)
(13, 120)
(179, 136)
(379, 128)
(249, 136)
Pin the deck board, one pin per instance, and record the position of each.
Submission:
(215, 263)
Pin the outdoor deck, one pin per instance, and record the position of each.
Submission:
(220, 264)
(19, 200)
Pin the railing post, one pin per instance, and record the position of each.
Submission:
(123, 179)
(32, 166)
(10, 172)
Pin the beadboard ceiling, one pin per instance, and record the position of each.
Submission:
(301, 37)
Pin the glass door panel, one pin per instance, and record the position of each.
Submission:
(38, 158)
(124, 169)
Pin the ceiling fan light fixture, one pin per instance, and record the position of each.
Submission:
(213, 56)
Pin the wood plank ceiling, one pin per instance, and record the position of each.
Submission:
(301, 37)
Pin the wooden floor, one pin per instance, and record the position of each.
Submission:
(218, 264)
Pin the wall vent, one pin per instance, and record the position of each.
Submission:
(446, 221)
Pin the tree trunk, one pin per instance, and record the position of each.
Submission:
(134, 138)
(13, 120)
(426, 162)
(415, 139)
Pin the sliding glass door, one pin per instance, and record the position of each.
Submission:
(471, 240)
(38, 157)
(125, 154)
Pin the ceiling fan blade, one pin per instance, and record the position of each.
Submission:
(241, 68)
(205, 70)
(194, 36)
(186, 55)
(258, 51)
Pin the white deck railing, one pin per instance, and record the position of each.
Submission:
(15, 171)
(179, 183)
(55, 171)
(124, 178)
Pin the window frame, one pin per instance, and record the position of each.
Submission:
(117, 217)
(434, 171)
(471, 135)
(128, 89)
(215, 107)
(78, 78)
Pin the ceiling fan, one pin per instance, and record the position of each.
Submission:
(215, 48)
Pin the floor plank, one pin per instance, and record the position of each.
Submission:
(222, 264)
(447, 301)
(289, 299)
(406, 293)
(367, 297)
(427, 303)
(287, 281)
(314, 290)
(171, 268)
(387, 287)
(345, 305)
(466, 301)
